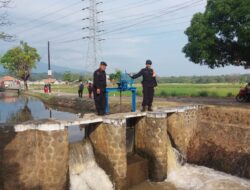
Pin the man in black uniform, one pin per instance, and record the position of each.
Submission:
(99, 88)
(148, 84)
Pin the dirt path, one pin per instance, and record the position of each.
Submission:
(206, 101)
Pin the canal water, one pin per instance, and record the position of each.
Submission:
(18, 109)
(85, 173)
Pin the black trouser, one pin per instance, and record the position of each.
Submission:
(80, 93)
(148, 96)
(100, 101)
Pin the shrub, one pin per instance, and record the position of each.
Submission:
(203, 94)
(173, 94)
(230, 94)
(138, 93)
(163, 93)
(214, 94)
(193, 95)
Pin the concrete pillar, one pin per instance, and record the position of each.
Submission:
(34, 156)
(182, 127)
(151, 143)
(109, 143)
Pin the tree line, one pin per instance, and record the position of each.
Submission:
(245, 78)
(72, 76)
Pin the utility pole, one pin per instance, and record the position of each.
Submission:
(49, 68)
(93, 28)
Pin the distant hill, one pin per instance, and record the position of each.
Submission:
(1, 69)
(43, 68)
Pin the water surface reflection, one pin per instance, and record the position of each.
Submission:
(17, 109)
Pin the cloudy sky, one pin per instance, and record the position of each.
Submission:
(134, 30)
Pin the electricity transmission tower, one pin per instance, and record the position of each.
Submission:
(93, 28)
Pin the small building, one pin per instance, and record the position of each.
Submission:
(8, 82)
(49, 81)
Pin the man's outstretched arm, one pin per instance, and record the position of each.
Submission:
(137, 75)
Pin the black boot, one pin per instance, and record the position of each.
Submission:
(150, 108)
(143, 109)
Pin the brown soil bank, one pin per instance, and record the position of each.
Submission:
(216, 137)
(74, 104)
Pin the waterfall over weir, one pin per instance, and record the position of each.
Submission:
(85, 174)
(191, 177)
(183, 176)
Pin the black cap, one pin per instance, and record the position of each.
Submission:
(148, 62)
(103, 63)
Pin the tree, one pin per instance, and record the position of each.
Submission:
(221, 35)
(67, 76)
(81, 78)
(4, 20)
(20, 60)
(115, 77)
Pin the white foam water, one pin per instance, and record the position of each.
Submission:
(91, 179)
(85, 174)
(192, 177)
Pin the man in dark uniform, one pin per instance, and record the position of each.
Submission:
(148, 84)
(99, 88)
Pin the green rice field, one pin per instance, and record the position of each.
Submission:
(169, 90)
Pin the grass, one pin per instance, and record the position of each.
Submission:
(197, 90)
(168, 90)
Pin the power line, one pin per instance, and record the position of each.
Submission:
(172, 19)
(144, 16)
(150, 34)
(130, 6)
(80, 39)
(48, 14)
(137, 16)
(163, 12)
(46, 23)
(151, 18)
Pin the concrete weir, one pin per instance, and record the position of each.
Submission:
(130, 147)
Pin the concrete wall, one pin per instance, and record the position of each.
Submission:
(150, 143)
(182, 127)
(109, 143)
(33, 159)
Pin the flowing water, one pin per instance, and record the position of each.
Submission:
(183, 176)
(85, 174)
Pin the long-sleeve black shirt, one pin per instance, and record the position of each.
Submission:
(100, 81)
(147, 75)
